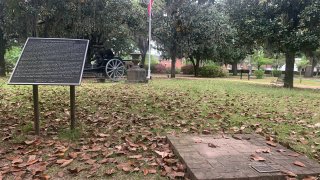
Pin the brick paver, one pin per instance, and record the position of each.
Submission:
(215, 157)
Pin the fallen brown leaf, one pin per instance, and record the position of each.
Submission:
(269, 138)
(237, 137)
(170, 161)
(255, 157)
(212, 145)
(45, 177)
(289, 173)
(6, 138)
(131, 143)
(73, 155)
(38, 167)
(94, 148)
(266, 150)
(90, 161)
(206, 132)
(298, 163)
(61, 150)
(145, 172)
(217, 116)
(271, 143)
(258, 130)
(74, 170)
(152, 171)
(103, 135)
(135, 156)
(30, 142)
(185, 130)
(175, 174)
(181, 167)
(60, 174)
(126, 167)
(19, 174)
(109, 172)
(310, 178)
(144, 147)
(64, 162)
(153, 146)
(136, 169)
(281, 150)
(162, 154)
(197, 141)
(17, 161)
(31, 160)
(168, 169)
(294, 154)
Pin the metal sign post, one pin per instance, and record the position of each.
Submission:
(73, 107)
(36, 109)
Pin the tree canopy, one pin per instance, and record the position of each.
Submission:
(223, 31)
(287, 26)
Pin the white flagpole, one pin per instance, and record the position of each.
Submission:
(149, 68)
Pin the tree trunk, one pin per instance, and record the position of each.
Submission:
(143, 60)
(234, 68)
(288, 79)
(34, 26)
(314, 64)
(311, 55)
(173, 65)
(46, 28)
(300, 75)
(197, 66)
(2, 52)
(194, 66)
(173, 54)
(309, 68)
(143, 46)
(308, 71)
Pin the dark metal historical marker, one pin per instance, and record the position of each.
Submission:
(51, 62)
(264, 168)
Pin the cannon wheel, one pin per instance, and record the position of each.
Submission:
(115, 69)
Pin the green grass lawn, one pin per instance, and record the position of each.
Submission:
(306, 82)
(124, 120)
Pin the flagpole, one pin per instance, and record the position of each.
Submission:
(149, 68)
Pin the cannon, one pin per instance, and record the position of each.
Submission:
(106, 65)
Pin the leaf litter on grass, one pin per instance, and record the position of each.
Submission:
(123, 127)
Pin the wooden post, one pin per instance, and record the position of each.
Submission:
(36, 109)
(73, 106)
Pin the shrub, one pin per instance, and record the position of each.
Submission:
(187, 69)
(211, 71)
(259, 74)
(158, 68)
(225, 71)
(276, 73)
(169, 71)
(11, 57)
